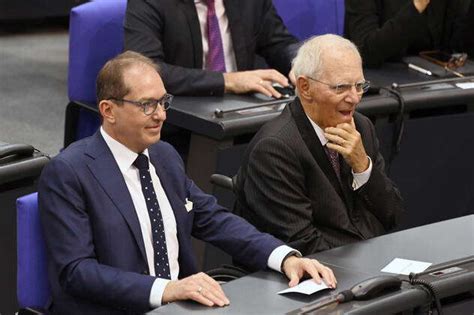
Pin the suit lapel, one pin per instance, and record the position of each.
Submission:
(189, 9)
(105, 169)
(311, 140)
(234, 15)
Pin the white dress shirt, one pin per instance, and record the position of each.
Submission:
(359, 179)
(229, 54)
(125, 158)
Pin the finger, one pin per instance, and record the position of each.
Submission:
(260, 88)
(273, 76)
(328, 276)
(216, 288)
(336, 139)
(326, 273)
(268, 89)
(294, 278)
(214, 295)
(292, 77)
(311, 269)
(336, 147)
(198, 297)
(340, 131)
(272, 90)
(347, 127)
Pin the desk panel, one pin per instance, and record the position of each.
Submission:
(256, 293)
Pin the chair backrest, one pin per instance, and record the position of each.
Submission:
(95, 36)
(33, 289)
(305, 18)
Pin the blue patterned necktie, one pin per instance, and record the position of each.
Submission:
(215, 56)
(162, 269)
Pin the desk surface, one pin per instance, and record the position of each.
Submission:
(256, 293)
(198, 113)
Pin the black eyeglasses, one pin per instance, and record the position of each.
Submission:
(149, 106)
(361, 87)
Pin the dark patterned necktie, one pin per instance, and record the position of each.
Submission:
(162, 269)
(334, 160)
(215, 56)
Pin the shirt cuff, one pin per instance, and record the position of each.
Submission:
(156, 292)
(278, 255)
(359, 179)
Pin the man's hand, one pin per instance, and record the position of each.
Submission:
(199, 287)
(345, 139)
(292, 77)
(421, 5)
(295, 268)
(254, 81)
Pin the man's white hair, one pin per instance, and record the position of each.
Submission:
(308, 61)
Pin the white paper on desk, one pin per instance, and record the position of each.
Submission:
(465, 85)
(306, 287)
(402, 266)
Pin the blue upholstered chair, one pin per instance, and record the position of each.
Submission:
(305, 18)
(33, 291)
(95, 36)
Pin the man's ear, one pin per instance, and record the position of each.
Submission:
(303, 86)
(106, 109)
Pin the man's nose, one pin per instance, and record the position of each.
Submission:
(353, 96)
(159, 113)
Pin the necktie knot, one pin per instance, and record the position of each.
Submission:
(209, 2)
(141, 162)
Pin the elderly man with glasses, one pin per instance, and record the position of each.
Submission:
(314, 177)
(118, 211)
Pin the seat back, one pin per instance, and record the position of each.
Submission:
(305, 18)
(95, 36)
(33, 290)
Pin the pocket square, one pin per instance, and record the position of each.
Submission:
(188, 204)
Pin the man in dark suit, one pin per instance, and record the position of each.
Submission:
(314, 177)
(390, 29)
(176, 34)
(118, 228)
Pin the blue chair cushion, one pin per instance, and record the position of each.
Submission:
(305, 18)
(95, 36)
(33, 288)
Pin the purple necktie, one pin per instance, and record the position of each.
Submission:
(215, 57)
(334, 160)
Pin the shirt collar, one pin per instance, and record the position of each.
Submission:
(123, 155)
(319, 132)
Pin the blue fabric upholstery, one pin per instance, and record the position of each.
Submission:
(33, 289)
(95, 36)
(305, 18)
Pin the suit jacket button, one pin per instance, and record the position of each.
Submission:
(145, 272)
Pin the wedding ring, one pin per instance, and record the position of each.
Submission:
(261, 82)
(199, 290)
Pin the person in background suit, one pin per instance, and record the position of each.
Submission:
(118, 211)
(313, 176)
(390, 29)
(198, 58)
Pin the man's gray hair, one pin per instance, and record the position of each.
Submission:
(308, 61)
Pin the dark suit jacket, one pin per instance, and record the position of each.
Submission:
(97, 260)
(286, 186)
(168, 31)
(390, 29)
